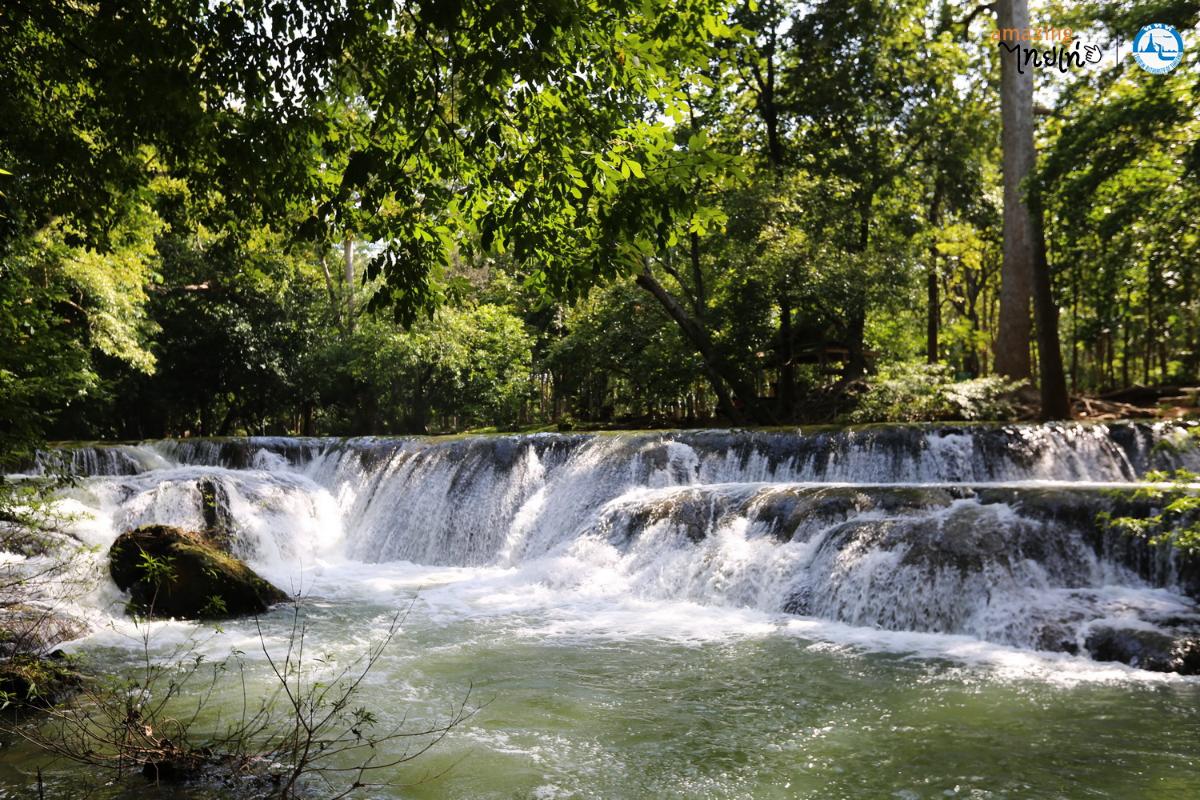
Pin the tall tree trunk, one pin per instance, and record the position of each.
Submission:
(1056, 402)
(856, 329)
(1016, 274)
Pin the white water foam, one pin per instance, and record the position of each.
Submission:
(877, 545)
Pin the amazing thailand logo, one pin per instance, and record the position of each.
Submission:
(1157, 48)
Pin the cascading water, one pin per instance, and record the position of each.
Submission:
(886, 612)
(987, 532)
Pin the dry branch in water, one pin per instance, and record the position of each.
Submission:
(311, 731)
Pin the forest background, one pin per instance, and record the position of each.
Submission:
(373, 217)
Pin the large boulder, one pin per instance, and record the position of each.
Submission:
(170, 572)
(1155, 650)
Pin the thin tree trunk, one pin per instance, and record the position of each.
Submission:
(1126, 326)
(1075, 289)
(856, 325)
(932, 300)
(972, 364)
(333, 300)
(721, 377)
(787, 369)
(699, 299)
(765, 95)
(1151, 321)
(349, 253)
(1016, 275)
(931, 323)
(1191, 339)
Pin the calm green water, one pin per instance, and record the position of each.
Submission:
(639, 700)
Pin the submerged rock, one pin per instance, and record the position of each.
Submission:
(26, 628)
(33, 673)
(798, 514)
(170, 572)
(219, 524)
(29, 681)
(1154, 650)
(1056, 637)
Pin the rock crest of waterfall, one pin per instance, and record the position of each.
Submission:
(983, 531)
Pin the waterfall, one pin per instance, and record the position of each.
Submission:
(981, 531)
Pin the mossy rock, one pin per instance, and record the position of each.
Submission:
(29, 681)
(170, 572)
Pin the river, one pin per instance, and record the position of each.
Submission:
(888, 612)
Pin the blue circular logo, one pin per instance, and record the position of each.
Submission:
(1158, 48)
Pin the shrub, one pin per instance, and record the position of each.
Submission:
(914, 392)
(1175, 521)
(311, 733)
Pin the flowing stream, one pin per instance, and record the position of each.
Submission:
(887, 612)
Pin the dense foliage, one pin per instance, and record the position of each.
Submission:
(371, 217)
(909, 392)
(1173, 499)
